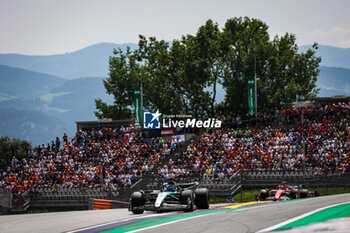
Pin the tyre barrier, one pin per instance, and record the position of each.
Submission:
(101, 204)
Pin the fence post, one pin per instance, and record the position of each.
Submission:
(91, 203)
(241, 173)
(348, 171)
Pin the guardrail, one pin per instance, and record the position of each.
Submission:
(100, 204)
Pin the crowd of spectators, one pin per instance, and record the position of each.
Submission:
(312, 139)
(105, 158)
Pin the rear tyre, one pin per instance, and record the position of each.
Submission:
(137, 200)
(316, 194)
(303, 193)
(202, 198)
(186, 198)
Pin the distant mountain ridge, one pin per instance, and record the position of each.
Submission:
(331, 56)
(333, 81)
(91, 61)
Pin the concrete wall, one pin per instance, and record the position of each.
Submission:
(5, 201)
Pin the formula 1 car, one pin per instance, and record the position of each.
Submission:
(183, 197)
(285, 192)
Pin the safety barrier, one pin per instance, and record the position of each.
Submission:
(101, 204)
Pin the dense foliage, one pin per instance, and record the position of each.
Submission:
(10, 148)
(182, 76)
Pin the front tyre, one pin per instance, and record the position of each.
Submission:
(186, 198)
(136, 203)
(294, 194)
(264, 193)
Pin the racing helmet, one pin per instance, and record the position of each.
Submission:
(171, 186)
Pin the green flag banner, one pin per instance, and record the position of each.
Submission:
(251, 96)
(137, 105)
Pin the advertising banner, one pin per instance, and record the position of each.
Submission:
(137, 106)
(251, 96)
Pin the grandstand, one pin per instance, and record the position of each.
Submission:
(111, 162)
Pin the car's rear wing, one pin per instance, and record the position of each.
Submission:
(191, 185)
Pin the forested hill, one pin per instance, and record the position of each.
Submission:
(37, 106)
(15, 82)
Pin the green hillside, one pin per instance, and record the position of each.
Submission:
(15, 82)
(79, 99)
(55, 111)
(34, 126)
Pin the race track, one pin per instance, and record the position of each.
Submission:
(250, 219)
(244, 219)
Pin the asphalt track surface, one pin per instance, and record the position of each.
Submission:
(245, 219)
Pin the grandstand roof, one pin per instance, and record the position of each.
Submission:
(84, 125)
(333, 99)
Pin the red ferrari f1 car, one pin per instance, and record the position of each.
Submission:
(285, 192)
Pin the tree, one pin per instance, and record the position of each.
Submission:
(162, 76)
(172, 81)
(10, 148)
(124, 77)
(289, 74)
(182, 76)
(283, 73)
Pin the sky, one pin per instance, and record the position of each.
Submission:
(43, 27)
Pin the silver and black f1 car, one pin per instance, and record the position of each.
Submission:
(184, 197)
